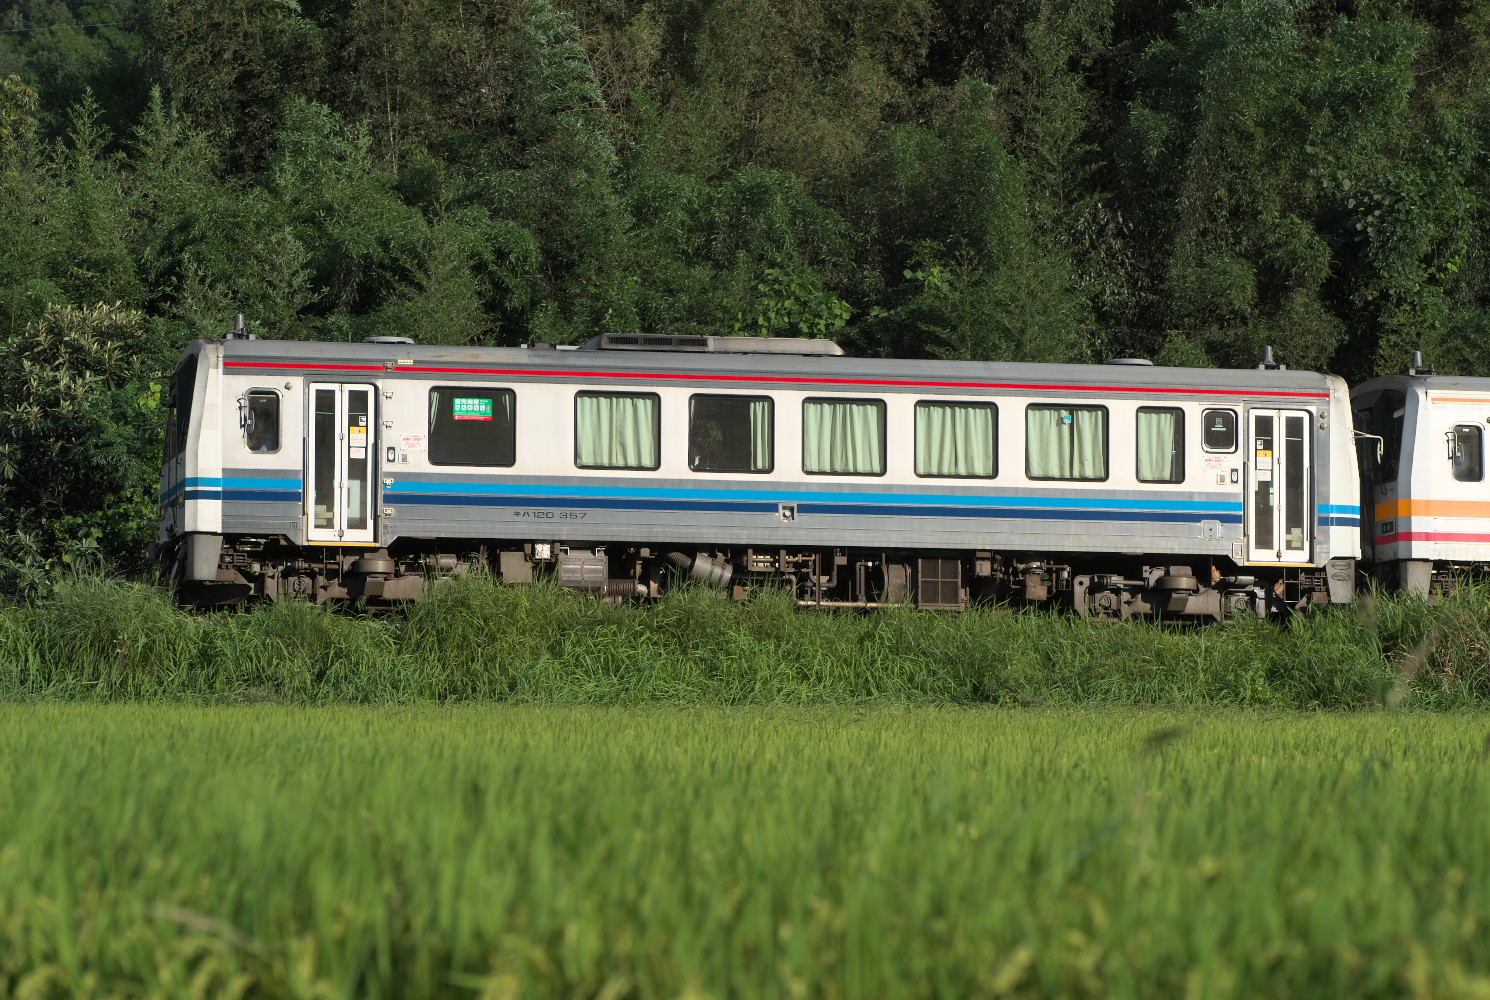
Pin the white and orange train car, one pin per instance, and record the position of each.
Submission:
(1425, 498)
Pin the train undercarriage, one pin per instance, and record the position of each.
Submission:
(210, 570)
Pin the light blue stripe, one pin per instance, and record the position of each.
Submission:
(808, 495)
(1340, 508)
(242, 483)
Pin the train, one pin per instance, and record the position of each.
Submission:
(362, 471)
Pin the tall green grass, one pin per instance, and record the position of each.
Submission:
(476, 640)
(656, 852)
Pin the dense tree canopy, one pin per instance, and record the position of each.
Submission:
(1021, 181)
(1025, 180)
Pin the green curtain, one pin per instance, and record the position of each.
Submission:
(617, 432)
(844, 437)
(760, 435)
(1065, 442)
(955, 439)
(1159, 446)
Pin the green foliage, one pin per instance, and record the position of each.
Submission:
(77, 475)
(473, 639)
(265, 850)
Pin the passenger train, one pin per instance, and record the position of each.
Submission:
(361, 470)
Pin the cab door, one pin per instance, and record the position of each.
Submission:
(341, 454)
(1279, 528)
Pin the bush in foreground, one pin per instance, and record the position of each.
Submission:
(473, 639)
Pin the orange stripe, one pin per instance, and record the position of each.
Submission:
(1432, 508)
(1460, 399)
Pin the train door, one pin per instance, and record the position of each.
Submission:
(1459, 467)
(340, 456)
(1279, 528)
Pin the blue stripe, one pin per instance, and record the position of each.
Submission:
(1340, 522)
(459, 488)
(806, 507)
(1340, 508)
(263, 496)
(583, 503)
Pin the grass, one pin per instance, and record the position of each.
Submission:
(101, 640)
(641, 852)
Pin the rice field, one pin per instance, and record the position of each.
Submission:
(747, 851)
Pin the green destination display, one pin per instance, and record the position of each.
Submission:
(471, 408)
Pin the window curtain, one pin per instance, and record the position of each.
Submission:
(1159, 446)
(843, 438)
(1066, 442)
(760, 435)
(618, 432)
(954, 440)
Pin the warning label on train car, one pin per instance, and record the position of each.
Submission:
(463, 408)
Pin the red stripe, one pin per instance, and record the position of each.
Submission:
(1434, 536)
(697, 377)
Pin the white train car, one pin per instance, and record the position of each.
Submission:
(1426, 497)
(358, 470)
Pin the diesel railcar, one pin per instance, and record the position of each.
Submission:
(360, 470)
(1425, 500)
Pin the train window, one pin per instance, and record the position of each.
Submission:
(261, 421)
(730, 433)
(1065, 442)
(617, 430)
(1388, 420)
(471, 426)
(186, 386)
(1218, 430)
(1467, 452)
(843, 437)
(957, 440)
(1161, 444)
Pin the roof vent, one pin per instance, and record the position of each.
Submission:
(1418, 368)
(1129, 361)
(1267, 363)
(387, 340)
(714, 345)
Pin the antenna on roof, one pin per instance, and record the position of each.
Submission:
(1267, 363)
(240, 330)
(1418, 368)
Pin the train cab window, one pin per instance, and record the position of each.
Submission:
(617, 430)
(261, 421)
(957, 440)
(1388, 421)
(1065, 442)
(185, 387)
(1218, 430)
(1467, 453)
(730, 434)
(843, 437)
(1161, 445)
(471, 426)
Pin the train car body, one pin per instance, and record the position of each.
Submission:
(358, 470)
(1426, 502)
